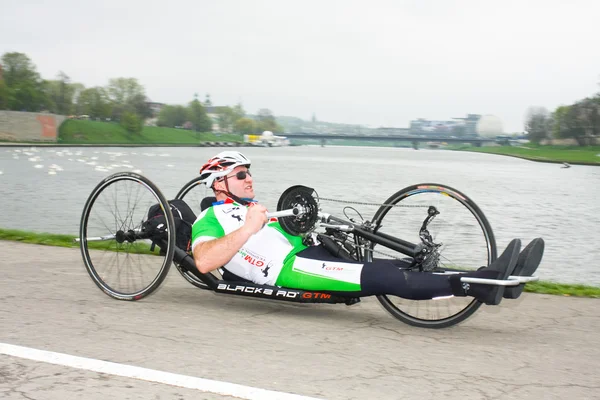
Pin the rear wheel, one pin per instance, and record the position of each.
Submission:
(117, 252)
(467, 243)
(192, 193)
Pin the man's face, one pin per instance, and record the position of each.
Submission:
(240, 187)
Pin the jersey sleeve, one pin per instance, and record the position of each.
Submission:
(206, 227)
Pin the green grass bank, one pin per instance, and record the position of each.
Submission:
(103, 133)
(587, 155)
(544, 287)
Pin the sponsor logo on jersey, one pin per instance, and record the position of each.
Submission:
(265, 270)
(228, 210)
(254, 258)
(331, 267)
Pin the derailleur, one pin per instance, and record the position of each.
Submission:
(427, 255)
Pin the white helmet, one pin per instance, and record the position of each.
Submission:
(222, 164)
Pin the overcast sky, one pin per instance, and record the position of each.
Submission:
(370, 62)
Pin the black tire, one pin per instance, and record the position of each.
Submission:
(117, 206)
(468, 244)
(192, 193)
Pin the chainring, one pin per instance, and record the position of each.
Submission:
(303, 197)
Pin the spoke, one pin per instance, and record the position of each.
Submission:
(135, 205)
(98, 216)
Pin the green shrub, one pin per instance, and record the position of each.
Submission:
(131, 122)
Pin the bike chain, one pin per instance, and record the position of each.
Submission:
(364, 247)
(361, 203)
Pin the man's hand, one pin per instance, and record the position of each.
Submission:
(256, 218)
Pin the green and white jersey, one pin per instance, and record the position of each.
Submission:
(262, 257)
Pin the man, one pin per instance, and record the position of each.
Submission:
(235, 234)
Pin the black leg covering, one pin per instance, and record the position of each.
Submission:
(381, 277)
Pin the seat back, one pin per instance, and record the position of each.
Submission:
(207, 202)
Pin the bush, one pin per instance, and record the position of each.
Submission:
(131, 122)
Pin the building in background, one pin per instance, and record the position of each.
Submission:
(384, 131)
(155, 107)
(213, 113)
(489, 126)
(457, 127)
(470, 123)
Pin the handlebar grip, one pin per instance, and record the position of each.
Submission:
(284, 213)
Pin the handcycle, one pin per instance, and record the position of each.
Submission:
(434, 227)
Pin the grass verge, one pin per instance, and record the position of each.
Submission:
(588, 155)
(94, 132)
(50, 239)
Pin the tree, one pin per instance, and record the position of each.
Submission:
(139, 106)
(93, 102)
(560, 122)
(16, 68)
(60, 94)
(589, 113)
(27, 96)
(538, 124)
(3, 95)
(198, 117)
(224, 119)
(228, 116)
(245, 126)
(172, 116)
(77, 89)
(207, 100)
(24, 87)
(266, 121)
(127, 95)
(578, 121)
(237, 112)
(122, 90)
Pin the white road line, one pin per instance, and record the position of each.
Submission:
(129, 371)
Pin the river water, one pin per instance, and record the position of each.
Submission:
(44, 189)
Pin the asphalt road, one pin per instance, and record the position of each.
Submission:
(538, 346)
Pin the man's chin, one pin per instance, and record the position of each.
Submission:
(246, 194)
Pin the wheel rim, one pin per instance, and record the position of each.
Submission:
(192, 193)
(123, 269)
(467, 244)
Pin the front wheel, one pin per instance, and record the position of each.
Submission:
(118, 253)
(466, 243)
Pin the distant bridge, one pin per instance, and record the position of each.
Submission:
(475, 141)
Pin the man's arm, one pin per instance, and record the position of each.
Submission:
(213, 254)
(216, 253)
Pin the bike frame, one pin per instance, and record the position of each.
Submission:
(250, 289)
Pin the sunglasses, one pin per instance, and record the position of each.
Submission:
(241, 175)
